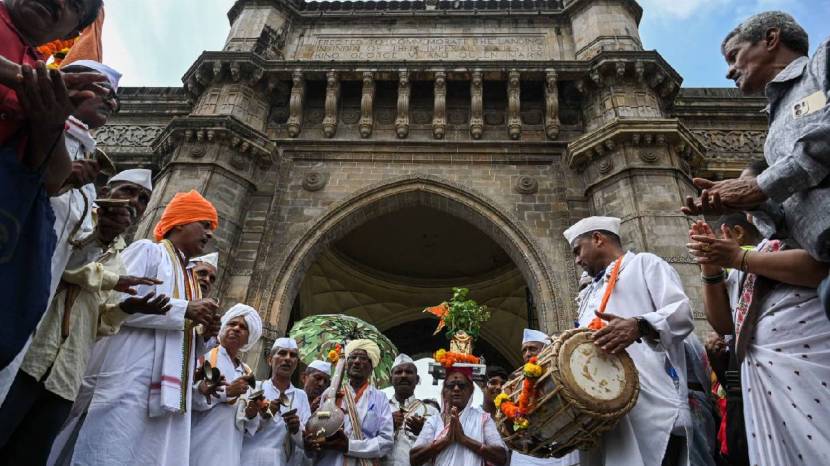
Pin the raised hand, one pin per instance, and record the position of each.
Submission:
(724, 251)
(212, 389)
(113, 221)
(292, 421)
(83, 172)
(202, 311)
(237, 387)
(126, 283)
(415, 424)
(147, 304)
(618, 334)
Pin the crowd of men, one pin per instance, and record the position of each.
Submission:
(115, 353)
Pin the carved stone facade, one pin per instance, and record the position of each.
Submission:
(319, 120)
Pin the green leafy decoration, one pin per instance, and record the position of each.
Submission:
(464, 314)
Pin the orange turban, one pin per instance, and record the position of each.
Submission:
(185, 208)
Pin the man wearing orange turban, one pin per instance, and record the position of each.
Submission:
(186, 208)
(141, 409)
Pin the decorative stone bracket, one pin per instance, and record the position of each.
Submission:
(638, 132)
(644, 67)
(225, 130)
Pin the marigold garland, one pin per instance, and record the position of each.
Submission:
(448, 358)
(56, 50)
(517, 412)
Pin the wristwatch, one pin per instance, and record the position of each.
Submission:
(644, 327)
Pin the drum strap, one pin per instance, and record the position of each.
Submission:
(598, 323)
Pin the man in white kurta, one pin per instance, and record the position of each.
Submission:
(217, 429)
(647, 304)
(140, 404)
(408, 412)
(372, 436)
(269, 441)
(533, 341)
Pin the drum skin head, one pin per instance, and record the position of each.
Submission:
(605, 382)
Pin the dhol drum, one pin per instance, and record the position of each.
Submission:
(582, 393)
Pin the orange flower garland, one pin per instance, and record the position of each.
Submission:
(511, 410)
(57, 50)
(448, 358)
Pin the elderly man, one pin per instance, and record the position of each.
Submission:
(533, 341)
(647, 314)
(463, 435)
(276, 438)
(368, 434)
(50, 376)
(768, 53)
(315, 380)
(205, 268)
(217, 431)
(141, 403)
(408, 412)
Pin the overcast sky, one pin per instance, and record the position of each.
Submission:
(153, 42)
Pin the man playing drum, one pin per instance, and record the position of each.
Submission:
(639, 303)
(533, 341)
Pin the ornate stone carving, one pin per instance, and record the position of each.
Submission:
(402, 119)
(127, 135)
(270, 43)
(552, 124)
(620, 69)
(236, 71)
(332, 95)
(514, 121)
(605, 165)
(366, 103)
(649, 157)
(295, 105)
(526, 185)
(476, 105)
(315, 181)
(640, 71)
(439, 112)
(743, 142)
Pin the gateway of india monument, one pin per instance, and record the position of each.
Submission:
(365, 157)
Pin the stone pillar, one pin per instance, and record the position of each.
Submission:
(600, 25)
(476, 105)
(514, 102)
(402, 119)
(332, 95)
(439, 115)
(295, 105)
(367, 121)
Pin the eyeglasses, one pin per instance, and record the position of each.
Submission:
(453, 385)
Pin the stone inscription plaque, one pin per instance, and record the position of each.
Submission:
(426, 47)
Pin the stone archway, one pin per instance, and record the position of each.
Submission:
(419, 190)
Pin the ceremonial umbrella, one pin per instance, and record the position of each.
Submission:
(318, 334)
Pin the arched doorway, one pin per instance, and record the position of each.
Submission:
(369, 256)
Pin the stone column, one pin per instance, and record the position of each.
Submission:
(332, 95)
(551, 105)
(476, 105)
(439, 115)
(514, 102)
(402, 119)
(295, 105)
(366, 103)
